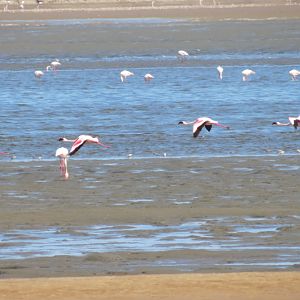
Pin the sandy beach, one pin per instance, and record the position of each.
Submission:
(33, 196)
(263, 286)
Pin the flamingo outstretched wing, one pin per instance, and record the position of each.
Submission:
(77, 145)
(197, 127)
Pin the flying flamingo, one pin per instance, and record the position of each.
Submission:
(294, 73)
(63, 154)
(38, 74)
(199, 123)
(182, 55)
(246, 73)
(148, 77)
(220, 72)
(80, 141)
(124, 74)
(292, 122)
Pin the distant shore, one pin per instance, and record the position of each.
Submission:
(86, 11)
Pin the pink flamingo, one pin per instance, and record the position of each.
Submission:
(80, 141)
(124, 74)
(292, 122)
(55, 64)
(246, 73)
(294, 73)
(148, 77)
(38, 74)
(199, 123)
(63, 154)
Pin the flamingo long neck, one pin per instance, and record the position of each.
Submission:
(67, 140)
(283, 124)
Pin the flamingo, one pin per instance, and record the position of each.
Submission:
(201, 122)
(246, 73)
(124, 74)
(80, 141)
(148, 77)
(55, 64)
(293, 121)
(49, 68)
(63, 154)
(220, 71)
(182, 55)
(294, 73)
(38, 74)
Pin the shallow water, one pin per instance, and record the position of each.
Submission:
(140, 120)
(213, 234)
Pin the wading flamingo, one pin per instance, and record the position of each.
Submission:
(294, 73)
(80, 141)
(292, 122)
(148, 77)
(63, 154)
(220, 72)
(182, 55)
(55, 64)
(199, 123)
(124, 74)
(246, 73)
(38, 74)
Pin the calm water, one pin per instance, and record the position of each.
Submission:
(141, 118)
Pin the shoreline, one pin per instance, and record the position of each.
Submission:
(196, 13)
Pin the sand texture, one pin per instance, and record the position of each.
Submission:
(233, 286)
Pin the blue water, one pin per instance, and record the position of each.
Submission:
(142, 118)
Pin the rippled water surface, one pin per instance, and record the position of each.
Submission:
(86, 95)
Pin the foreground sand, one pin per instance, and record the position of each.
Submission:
(233, 286)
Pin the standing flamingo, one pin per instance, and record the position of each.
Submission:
(148, 77)
(182, 55)
(38, 74)
(201, 122)
(80, 141)
(124, 74)
(293, 121)
(55, 64)
(246, 73)
(294, 73)
(220, 72)
(63, 154)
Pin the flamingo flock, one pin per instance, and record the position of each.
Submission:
(198, 124)
(54, 66)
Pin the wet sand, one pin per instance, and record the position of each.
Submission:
(161, 191)
(262, 286)
(113, 10)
